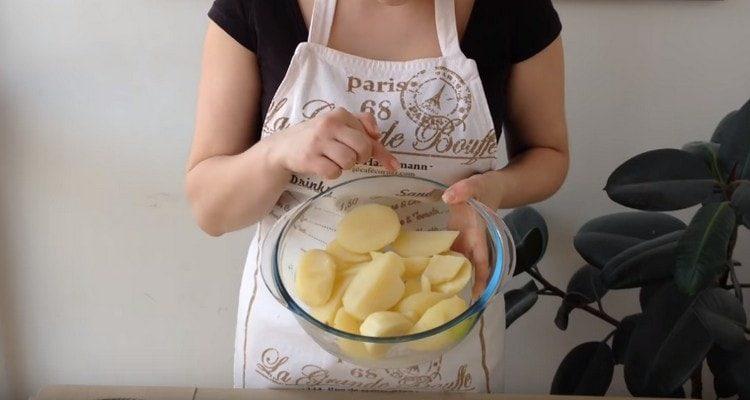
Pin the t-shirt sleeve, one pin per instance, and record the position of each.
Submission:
(235, 18)
(536, 26)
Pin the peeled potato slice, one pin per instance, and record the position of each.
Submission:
(383, 324)
(399, 263)
(368, 228)
(344, 256)
(424, 243)
(437, 315)
(443, 268)
(325, 313)
(412, 285)
(377, 287)
(415, 305)
(415, 266)
(425, 283)
(458, 282)
(316, 273)
(345, 322)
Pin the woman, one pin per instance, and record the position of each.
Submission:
(364, 87)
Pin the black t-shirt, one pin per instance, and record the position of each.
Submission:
(499, 34)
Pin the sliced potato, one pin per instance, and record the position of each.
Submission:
(376, 287)
(412, 285)
(443, 268)
(400, 263)
(437, 315)
(345, 322)
(383, 324)
(315, 275)
(368, 228)
(326, 312)
(425, 283)
(458, 282)
(424, 243)
(344, 256)
(415, 305)
(415, 266)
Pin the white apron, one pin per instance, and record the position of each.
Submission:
(434, 118)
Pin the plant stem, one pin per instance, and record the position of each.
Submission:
(552, 290)
(741, 285)
(696, 383)
(735, 284)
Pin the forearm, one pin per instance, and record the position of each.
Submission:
(531, 176)
(230, 192)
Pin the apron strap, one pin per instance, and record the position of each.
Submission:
(321, 21)
(445, 19)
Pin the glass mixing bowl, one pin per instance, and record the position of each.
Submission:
(418, 203)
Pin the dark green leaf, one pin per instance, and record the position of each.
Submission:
(652, 260)
(586, 370)
(670, 340)
(702, 250)
(529, 251)
(731, 371)
(719, 361)
(607, 236)
(586, 285)
(519, 301)
(621, 340)
(563, 313)
(648, 291)
(709, 153)
(661, 180)
(530, 246)
(733, 133)
(741, 202)
(724, 318)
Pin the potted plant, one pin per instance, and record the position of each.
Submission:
(690, 297)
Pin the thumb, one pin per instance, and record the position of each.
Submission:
(463, 190)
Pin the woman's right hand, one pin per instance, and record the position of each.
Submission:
(329, 144)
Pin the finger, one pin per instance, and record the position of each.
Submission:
(344, 156)
(463, 190)
(357, 141)
(384, 157)
(351, 120)
(325, 168)
(370, 124)
(481, 269)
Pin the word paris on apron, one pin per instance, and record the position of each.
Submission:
(434, 118)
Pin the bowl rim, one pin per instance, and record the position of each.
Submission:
(475, 309)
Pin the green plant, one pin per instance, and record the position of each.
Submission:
(691, 299)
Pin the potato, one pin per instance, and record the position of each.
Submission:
(368, 228)
(345, 322)
(412, 285)
(415, 305)
(344, 256)
(415, 266)
(424, 243)
(458, 282)
(376, 287)
(425, 283)
(325, 313)
(400, 262)
(443, 268)
(437, 315)
(315, 275)
(383, 324)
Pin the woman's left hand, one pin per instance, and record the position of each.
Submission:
(472, 240)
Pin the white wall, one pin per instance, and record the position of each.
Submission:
(104, 278)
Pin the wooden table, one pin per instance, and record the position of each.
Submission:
(177, 393)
